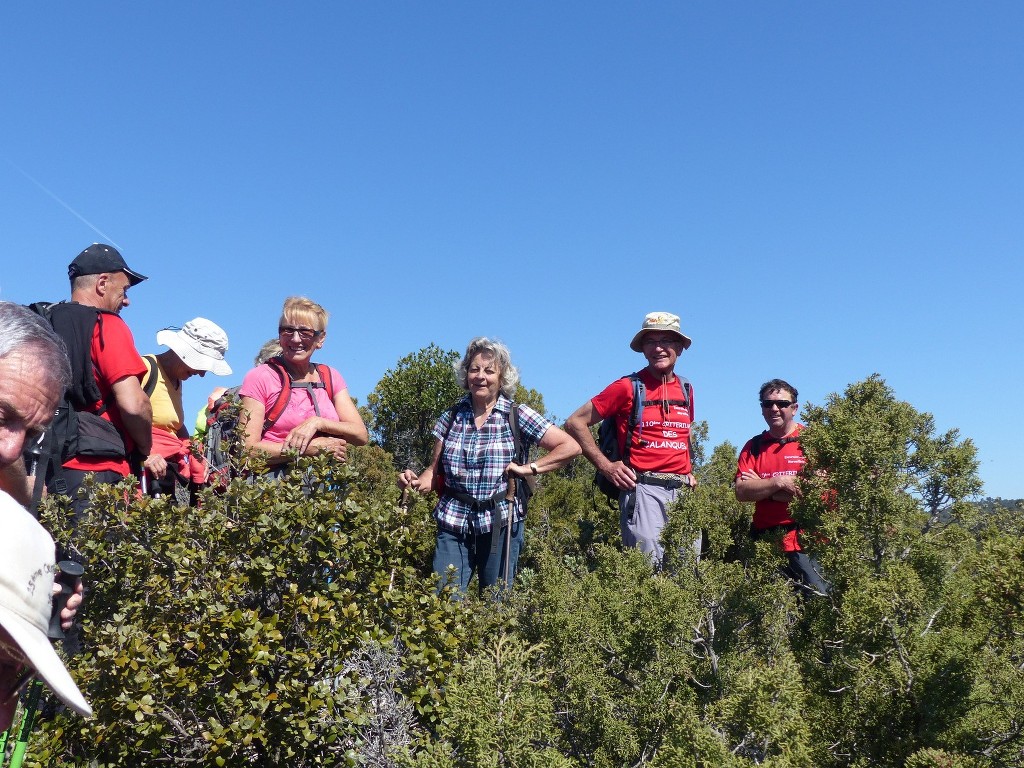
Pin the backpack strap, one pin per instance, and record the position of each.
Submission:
(636, 411)
(759, 442)
(277, 408)
(150, 378)
(324, 372)
(517, 435)
(288, 384)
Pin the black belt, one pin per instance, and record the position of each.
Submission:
(785, 528)
(490, 505)
(664, 480)
(474, 504)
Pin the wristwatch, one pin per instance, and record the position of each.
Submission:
(533, 467)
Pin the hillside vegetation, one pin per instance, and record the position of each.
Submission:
(263, 628)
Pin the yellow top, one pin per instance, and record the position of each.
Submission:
(168, 413)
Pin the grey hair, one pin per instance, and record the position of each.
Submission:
(20, 327)
(501, 355)
(82, 282)
(271, 348)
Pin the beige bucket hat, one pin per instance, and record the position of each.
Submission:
(659, 321)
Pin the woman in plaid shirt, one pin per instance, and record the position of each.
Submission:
(475, 453)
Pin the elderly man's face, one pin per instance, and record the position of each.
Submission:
(27, 402)
(662, 350)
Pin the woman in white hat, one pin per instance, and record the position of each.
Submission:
(193, 350)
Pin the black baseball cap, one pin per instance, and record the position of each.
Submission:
(99, 258)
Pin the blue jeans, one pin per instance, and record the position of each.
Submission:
(806, 572)
(470, 553)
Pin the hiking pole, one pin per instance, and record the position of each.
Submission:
(510, 497)
(27, 721)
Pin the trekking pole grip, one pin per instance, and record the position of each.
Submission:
(69, 575)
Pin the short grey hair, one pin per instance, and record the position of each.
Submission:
(20, 327)
(494, 349)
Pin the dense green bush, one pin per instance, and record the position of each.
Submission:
(264, 628)
(233, 632)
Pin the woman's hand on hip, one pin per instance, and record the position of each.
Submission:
(518, 470)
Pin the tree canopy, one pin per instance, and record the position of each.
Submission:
(407, 401)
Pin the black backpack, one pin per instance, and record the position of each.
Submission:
(607, 432)
(221, 441)
(76, 430)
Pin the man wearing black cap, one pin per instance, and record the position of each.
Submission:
(113, 414)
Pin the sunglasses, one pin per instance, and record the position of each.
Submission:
(306, 334)
(780, 404)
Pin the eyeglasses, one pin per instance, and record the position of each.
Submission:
(22, 676)
(650, 341)
(305, 334)
(780, 404)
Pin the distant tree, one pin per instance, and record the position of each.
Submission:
(407, 401)
(529, 397)
(403, 407)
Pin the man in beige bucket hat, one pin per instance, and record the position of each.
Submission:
(651, 412)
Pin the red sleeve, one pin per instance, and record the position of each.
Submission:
(746, 460)
(113, 352)
(614, 398)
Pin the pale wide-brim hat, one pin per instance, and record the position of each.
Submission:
(26, 596)
(201, 345)
(659, 321)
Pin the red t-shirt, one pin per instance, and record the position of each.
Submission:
(661, 441)
(774, 460)
(113, 357)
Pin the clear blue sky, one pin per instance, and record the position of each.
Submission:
(820, 190)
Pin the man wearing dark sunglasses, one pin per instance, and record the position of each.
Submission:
(767, 473)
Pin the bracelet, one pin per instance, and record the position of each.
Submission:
(533, 467)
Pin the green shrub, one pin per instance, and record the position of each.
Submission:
(236, 632)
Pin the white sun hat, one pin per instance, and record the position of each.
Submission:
(26, 596)
(201, 345)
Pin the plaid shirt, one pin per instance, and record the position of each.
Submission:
(474, 461)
